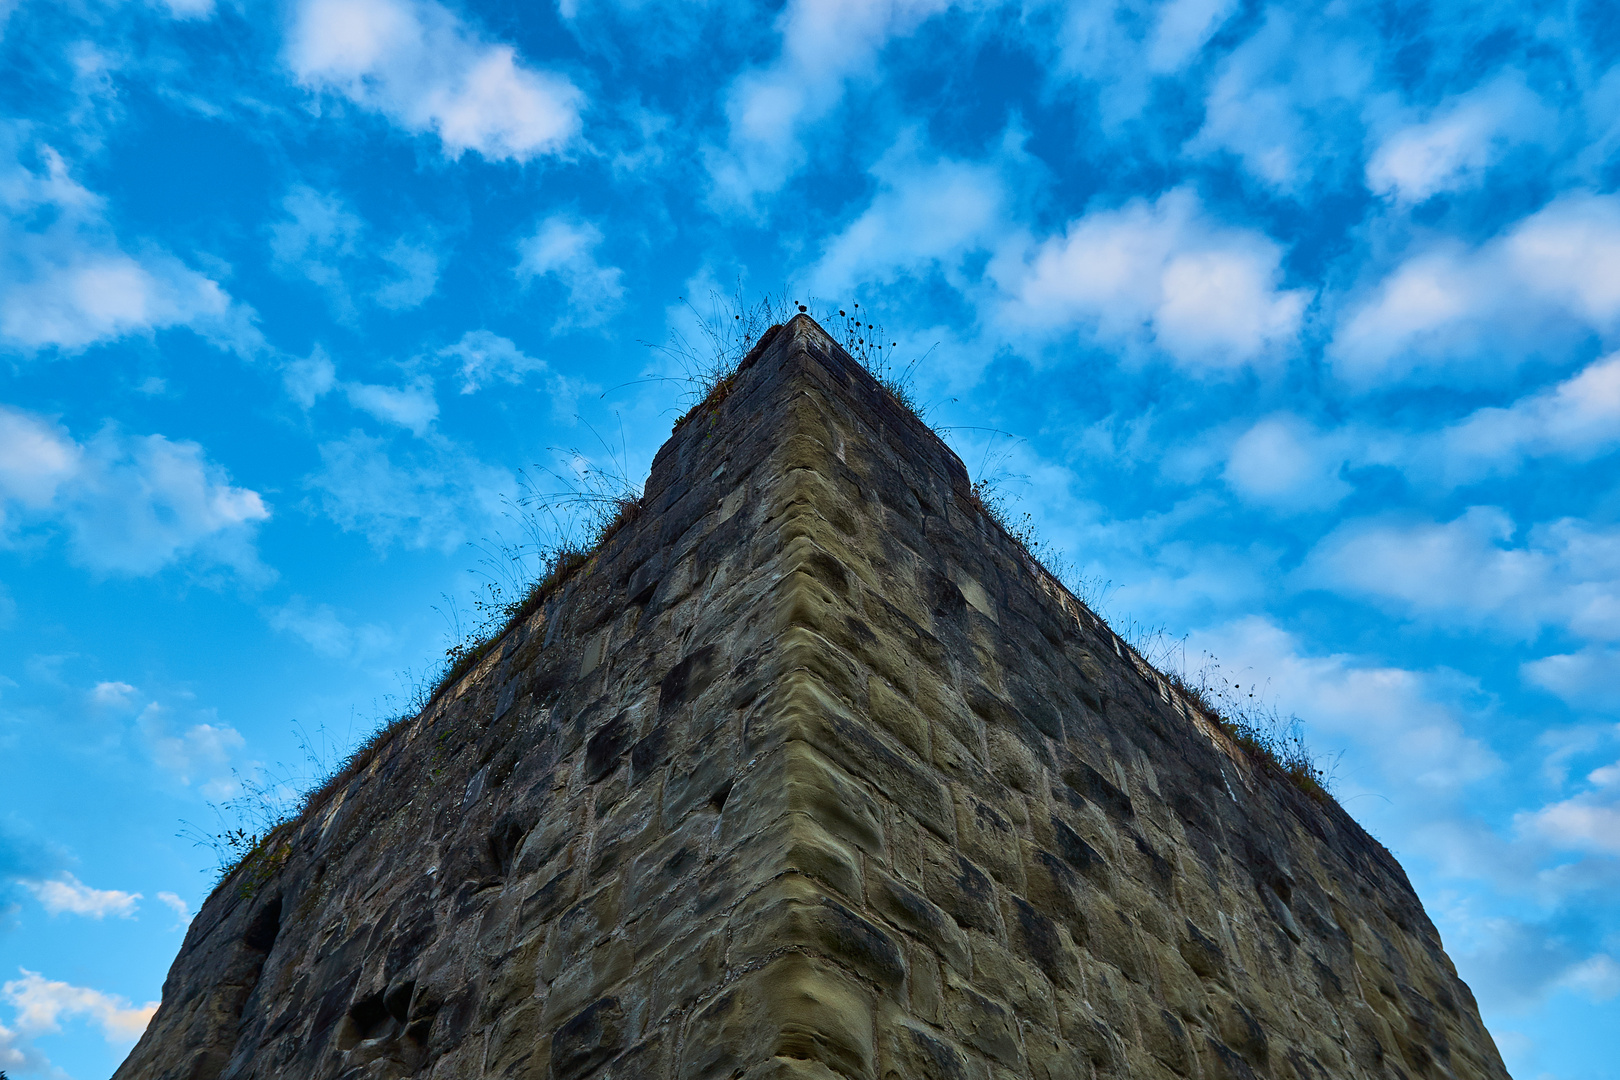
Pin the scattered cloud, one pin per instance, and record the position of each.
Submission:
(324, 631)
(481, 358)
(769, 109)
(323, 241)
(1587, 821)
(69, 283)
(309, 379)
(67, 893)
(440, 497)
(418, 269)
(1285, 463)
(1467, 315)
(189, 9)
(113, 695)
(128, 504)
(181, 909)
(1585, 679)
(1577, 419)
(411, 406)
(200, 753)
(924, 214)
(1470, 572)
(428, 70)
(1408, 723)
(1160, 273)
(1284, 102)
(318, 232)
(564, 247)
(43, 1003)
(1454, 147)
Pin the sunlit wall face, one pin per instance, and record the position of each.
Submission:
(1293, 328)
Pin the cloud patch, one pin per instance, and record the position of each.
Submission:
(128, 504)
(67, 893)
(429, 71)
(42, 1004)
(1159, 274)
(70, 284)
(1450, 313)
(564, 248)
(1471, 572)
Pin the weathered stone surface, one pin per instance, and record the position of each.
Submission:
(810, 773)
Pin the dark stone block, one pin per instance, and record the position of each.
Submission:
(603, 750)
(589, 1038)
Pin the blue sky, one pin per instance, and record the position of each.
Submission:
(1301, 321)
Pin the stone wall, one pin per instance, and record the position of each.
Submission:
(811, 774)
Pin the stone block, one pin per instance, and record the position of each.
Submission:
(1051, 1058)
(798, 779)
(687, 971)
(981, 1022)
(803, 709)
(1012, 979)
(589, 976)
(581, 927)
(963, 890)
(798, 842)
(1043, 940)
(909, 909)
(793, 911)
(796, 1007)
(989, 838)
(898, 716)
(588, 1038)
(909, 1050)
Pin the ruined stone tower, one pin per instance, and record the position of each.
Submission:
(811, 773)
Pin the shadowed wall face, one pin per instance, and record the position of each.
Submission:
(811, 773)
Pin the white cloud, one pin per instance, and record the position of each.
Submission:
(42, 1003)
(1469, 572)
(482, 357)
(1598, 977)
(427, 70)
(1585, 679)
(67, 893)
(309, 379)
(564, 247)
(1285, 463)
(825, 43)
(322, 630)
(112, 695)
(412, 406)
(129, 504)
(1183, 28)
(1588, 821)
(1207, 294)
(181, 909)
(440, 498)
(1452, 312)
(418, 268)
(317, 233)
(1284, 101)
(69, 284)
(1459, 142)
(923, 214)
(1577, 419)
(201, 753)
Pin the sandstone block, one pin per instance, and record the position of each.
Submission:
(796, 1007)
